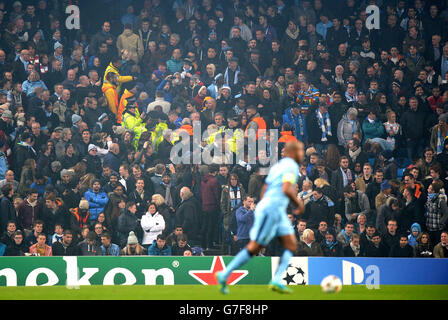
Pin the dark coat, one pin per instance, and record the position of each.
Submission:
(188, 216)
(128, 222)
(304, 250)
(7, 212)
(317, 211)
(372, 251)
(17, 250)
(399, 252)
(60, 250)
(335, 251)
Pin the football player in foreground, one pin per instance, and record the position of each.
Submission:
(271, 219)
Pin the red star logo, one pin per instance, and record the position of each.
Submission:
(207, 277)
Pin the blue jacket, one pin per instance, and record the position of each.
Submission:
(372, 130)
(154, 250)
(167, 96)
(294, 122)
(174, 65)
(111, 159)
(114, 250)
(97, 202)
(29, 86)
(3, 165)
(412, 241)
(244, 221)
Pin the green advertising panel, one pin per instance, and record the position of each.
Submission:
(75, 271)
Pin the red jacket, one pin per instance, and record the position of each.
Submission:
(210, 193)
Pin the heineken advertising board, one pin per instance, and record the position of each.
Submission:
(76, 271)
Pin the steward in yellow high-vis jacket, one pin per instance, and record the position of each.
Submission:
(132, 121)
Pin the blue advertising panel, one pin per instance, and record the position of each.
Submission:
(379, 271)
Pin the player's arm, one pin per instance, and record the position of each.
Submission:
(289, 180)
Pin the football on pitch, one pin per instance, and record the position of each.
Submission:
(331, 283)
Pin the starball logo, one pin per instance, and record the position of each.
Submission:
(226, 146)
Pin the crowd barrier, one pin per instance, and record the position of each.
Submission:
(76, 271)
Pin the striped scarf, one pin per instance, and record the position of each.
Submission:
(325, 125)
(235, 196)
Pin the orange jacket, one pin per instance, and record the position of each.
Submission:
(110, 91)
(188, 128)
(261, 125)
(123, 104)
(286, 136)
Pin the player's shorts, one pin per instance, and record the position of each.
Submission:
(270, 222)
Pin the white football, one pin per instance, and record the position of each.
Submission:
(331, 283)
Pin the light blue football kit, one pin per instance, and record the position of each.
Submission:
(271, 219)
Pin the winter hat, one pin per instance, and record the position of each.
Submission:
(226, 87)
(132, 239)
(84, 204)
(65, 172)
(76, 118)
(57, 45)
(91, 147)
(385, 185)
(442, 117)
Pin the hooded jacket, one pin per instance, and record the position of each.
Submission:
(346, 129)
(128, 40)
(412, 240)
(97, 202)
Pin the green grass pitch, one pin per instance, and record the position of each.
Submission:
(237, 292)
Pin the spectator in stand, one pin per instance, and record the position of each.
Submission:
(107, 247)
(67, 246)
(18, 246)
(40, 248)
(133, 248)
(159, 247)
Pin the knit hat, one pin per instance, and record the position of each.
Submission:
(57, 45)
(76, 118)
(65, 172)
(385, 185)
(132, 239)
(84, 204)
(442, 117)
(91, 147)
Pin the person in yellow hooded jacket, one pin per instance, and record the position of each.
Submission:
(109, 90)
(114, 67)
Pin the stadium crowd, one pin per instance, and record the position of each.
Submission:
(89, 118)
